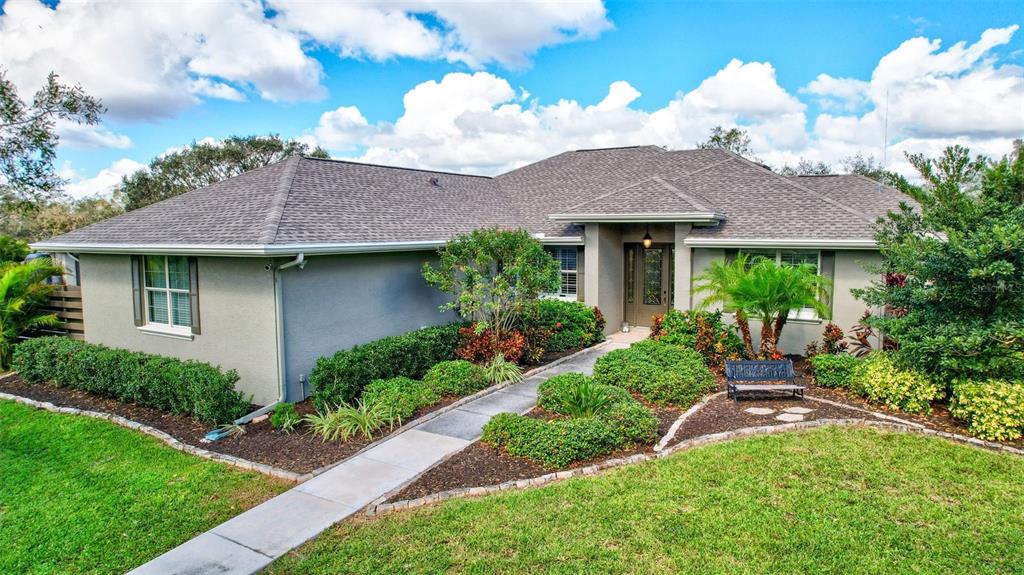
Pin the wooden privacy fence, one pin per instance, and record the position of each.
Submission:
(66, 302)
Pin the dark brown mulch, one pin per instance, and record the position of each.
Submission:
(479, 465)
(296, 451)
(723, 414)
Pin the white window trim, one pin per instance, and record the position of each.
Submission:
(156, 327)
(164, 330)
(807, 315)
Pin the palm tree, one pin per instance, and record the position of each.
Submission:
(22, 295)
(770, 292)
(719, 282)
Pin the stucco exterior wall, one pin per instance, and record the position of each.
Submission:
(603, 278)
(340, 301)
(236, 303)
(846, 309)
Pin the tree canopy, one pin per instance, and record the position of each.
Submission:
(734, 140)
(203, 163)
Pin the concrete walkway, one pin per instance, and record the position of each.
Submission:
(252, 540)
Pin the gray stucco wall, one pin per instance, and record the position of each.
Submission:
(340, 301)
(846, 309)
(604, 272)
(236, 303)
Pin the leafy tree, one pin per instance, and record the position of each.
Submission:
(734, 140)
(494, 275)
(719, 282)
(864, 165)
(204, 163)
(28, 136)
(807, 168)
(953, 270)
(12, 250)
(45, 220)
(23, 294)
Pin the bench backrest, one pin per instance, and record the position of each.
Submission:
(759, 370)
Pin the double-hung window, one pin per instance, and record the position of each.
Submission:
(567, 262)
(794, 258)
(167, 292)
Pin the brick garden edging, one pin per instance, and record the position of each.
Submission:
(702, 440)
(168, 439)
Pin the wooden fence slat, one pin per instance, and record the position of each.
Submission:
(66, 304)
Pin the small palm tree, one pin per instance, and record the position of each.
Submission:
(769, 292)
(719, 282)
(23, 294)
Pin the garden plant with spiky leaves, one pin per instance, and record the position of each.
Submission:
(23, 294)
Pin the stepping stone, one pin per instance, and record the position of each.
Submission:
(759, 410)
(800, 410)
(789, 417)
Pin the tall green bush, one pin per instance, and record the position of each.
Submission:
(177, 386)
(571, 324)
(341, 377)
(702, 330)
(834, 370)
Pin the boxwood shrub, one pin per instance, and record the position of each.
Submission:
(661, 372)
(177, 386)
(342, 376)
(457, 377)
(993, 409)
(570, 324)
(400, 396)
(559, 442)
(834, 370)
(882, 379)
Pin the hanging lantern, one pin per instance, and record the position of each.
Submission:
(648, 240)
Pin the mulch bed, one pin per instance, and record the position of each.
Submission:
(297, 451)
(479, 465)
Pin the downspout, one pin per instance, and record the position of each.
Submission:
(300, 261)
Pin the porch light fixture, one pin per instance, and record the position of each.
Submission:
(648, 240)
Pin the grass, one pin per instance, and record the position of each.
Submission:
(81, 495)
(832, 500)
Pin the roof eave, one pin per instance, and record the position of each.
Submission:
(668, 217)
(834, 244)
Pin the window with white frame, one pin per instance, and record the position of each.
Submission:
(566, 258)
(794, 258)
(167, 298)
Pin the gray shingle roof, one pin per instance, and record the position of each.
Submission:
(312, 201)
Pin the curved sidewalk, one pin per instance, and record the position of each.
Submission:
(251, 541)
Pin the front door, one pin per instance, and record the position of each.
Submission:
(648, 275)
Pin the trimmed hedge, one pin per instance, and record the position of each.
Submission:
(570, 324)
(993, 409)
(177, 386)
(661, 372)
(557, 443)
(834, 370)
(340, 378)
(457, 377)
(401, 396)
(881, 379)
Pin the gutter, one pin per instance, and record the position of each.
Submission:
(690, 217)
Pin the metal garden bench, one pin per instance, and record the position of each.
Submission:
(761, 370)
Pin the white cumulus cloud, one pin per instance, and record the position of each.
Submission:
(103, 183)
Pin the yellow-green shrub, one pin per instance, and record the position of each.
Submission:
(879, 378)
(993, 409)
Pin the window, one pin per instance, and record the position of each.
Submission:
(167, 299)
(566, 258)
(794, 258)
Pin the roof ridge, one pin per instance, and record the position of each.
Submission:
(343, 161)
(268, 233)
(697, 203)
(790, 181)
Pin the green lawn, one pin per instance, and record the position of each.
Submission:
(832, 500)
(81, 495)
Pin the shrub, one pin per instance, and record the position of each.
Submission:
(400, 396)
(633, 422)
(572, 325)
(661, 372)
(704, 331)
(993, 409)
(832, 342)
(552, 444)
(478, 345)
(341, 377)
(285, 417)
(834, 370)
(457, 377)
(556, 393)
(177, 386)
(879, 378)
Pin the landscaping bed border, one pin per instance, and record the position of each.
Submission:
(712, 438)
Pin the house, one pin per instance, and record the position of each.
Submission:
(269, 270)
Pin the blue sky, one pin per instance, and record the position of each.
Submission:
(304, 66)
